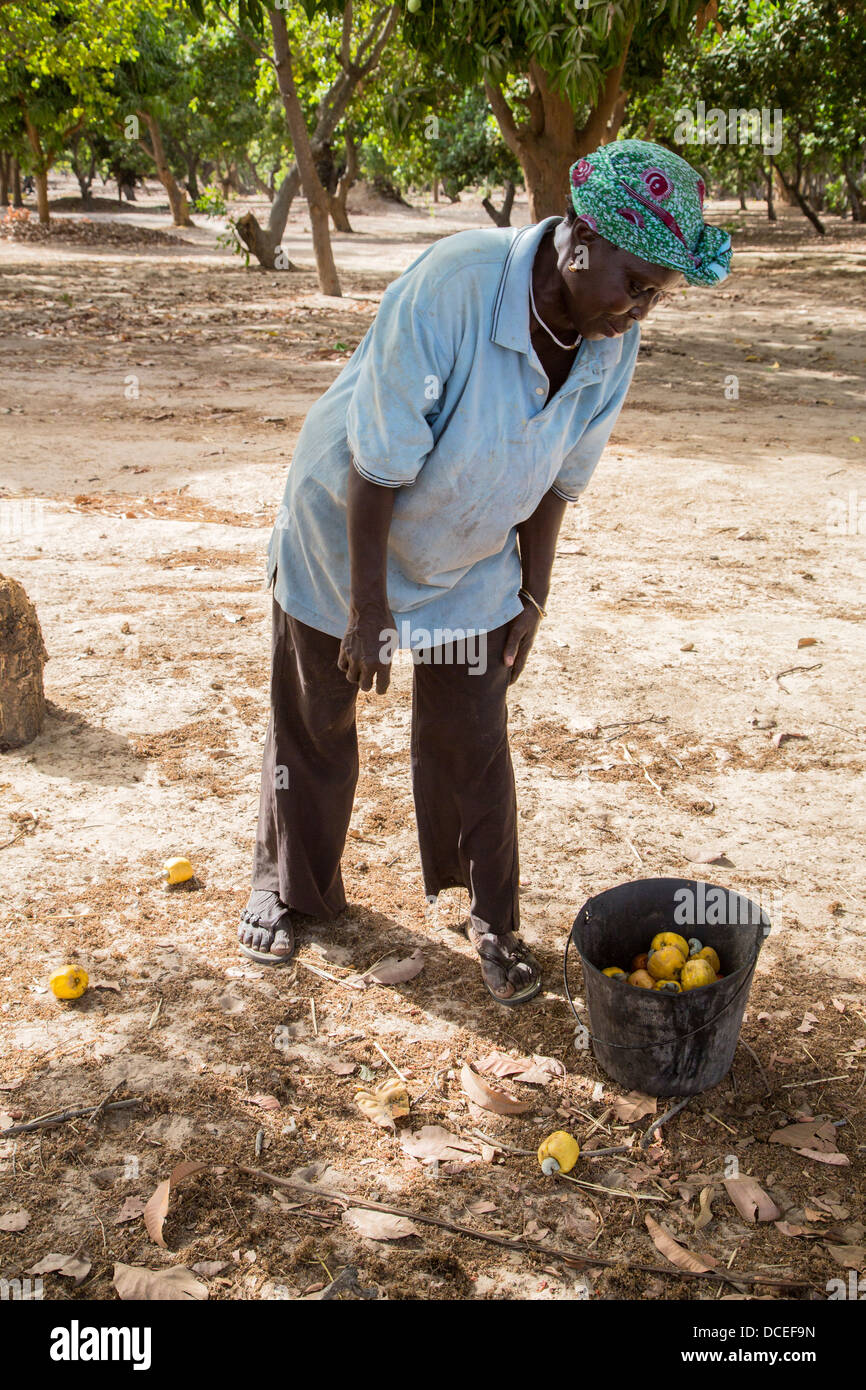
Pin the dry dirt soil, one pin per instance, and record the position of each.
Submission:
(708, 599)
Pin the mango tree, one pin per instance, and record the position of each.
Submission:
(556, 72)
(57, 60)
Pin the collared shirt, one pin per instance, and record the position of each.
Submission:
(445, 399)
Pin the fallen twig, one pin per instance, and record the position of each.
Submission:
(323, 974)
(500, 1144)
(819, 1081)
(568, 1257)
(790, 671)
(48, 1121)
(391, 1064)
(759, 1064)
(97, 1113)
(612, 1191)
(25, 831)
(656, 1124)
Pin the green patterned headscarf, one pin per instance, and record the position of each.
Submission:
(649, 201)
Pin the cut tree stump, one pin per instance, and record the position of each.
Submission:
(22, 657)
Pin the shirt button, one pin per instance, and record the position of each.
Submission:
(539, 390)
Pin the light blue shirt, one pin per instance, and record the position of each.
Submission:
(444, 400)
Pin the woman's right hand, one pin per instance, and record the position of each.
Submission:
(368, 646)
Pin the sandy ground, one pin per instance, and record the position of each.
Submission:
(149, 403)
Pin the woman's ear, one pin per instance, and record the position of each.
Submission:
(582, 234)
(581, 237)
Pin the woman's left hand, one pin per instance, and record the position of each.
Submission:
(518, 644)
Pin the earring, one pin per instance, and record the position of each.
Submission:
(572, 266)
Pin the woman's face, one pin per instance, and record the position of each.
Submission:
(615, 288)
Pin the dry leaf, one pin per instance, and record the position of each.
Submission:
(789, 1229)
(634, 1106)
(837, 1004)
(489, 1097)
(157, 1285)
(156, 1209)
(807, 642)
(15, 1220)
(130, 1211)
(480, 1208)
(836, 1210)
(11, 1085)
(751, 1201)
(676, 1253)
(705, 1214)
(265, 1102)
(75, 1266)
(849, 1256)
(535, 1070)
(340, 1068)
(391, 971)
(839, 1160)
(209, 1269)
(814, 1134)
(389, 1103)
(379, 1225)
(433, 1142)
(809, 1021)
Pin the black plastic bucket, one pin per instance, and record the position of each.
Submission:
(647, 1040)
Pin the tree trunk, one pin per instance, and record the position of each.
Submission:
(502, 216)
(331, 110)
(22, 657)
(85, 182)
(617, 116)
(548, 142)
(854, 196)
(347, 179)
(178, 201)
(436, 190)
(17, 200)
(263, 242)
(40, 168)
(192, 175)
(796, 196)
(4, 179)
(768, 180)
(741, 190)
(780, 189)
(316, 196)
(41, 178)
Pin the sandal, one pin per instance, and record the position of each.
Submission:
(273, 939)
(513, 958)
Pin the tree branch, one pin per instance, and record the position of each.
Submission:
(593, 132)
(346, 37)
(503, 113)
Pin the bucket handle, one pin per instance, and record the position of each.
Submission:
(641, 1047)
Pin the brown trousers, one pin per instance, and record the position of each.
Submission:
(462, 777)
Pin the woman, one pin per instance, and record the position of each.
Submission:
(428, 486)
